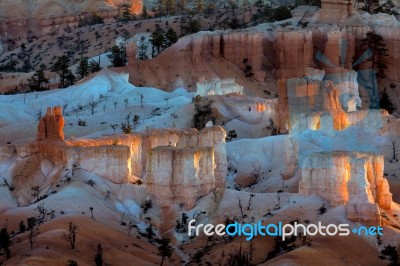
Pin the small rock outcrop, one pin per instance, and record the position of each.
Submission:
(348, 178)
(218, 87)
(51, 126)
(181, 174)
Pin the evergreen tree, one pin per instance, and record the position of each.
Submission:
(181, 6)
(281, 13)
(376, 43)
(149, 232)
(126, 13)
(189, 24)
(157, 40)
(61, 68)
(37, 81)
(165, 249)
(144, 14)
(125, 34)
(22, 227)
(142, 49)
(169, 6)
(5, 242)
(369, 5)
(171, 37)
(199, 5)
(83, 68)
(26, 65)
(388, 8)
(69, 78)
(385, 102)
(94, 66)
(118, 56)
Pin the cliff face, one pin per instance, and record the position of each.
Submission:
(306, 100)
(42, 17)
(294, 53)
(352, 179)
(175, 165)
(234, 47)
(180, 174)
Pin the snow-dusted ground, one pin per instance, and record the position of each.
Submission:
(274, 198)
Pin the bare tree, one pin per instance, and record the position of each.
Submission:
(33, 230)
(240, 207)
(71, 236)
(130, 227)
(91, 211)
(394, 150)
(93, 105)
(250, 202)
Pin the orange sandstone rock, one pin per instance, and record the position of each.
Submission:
(51, 126)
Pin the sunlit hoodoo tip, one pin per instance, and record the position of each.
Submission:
(51, 126)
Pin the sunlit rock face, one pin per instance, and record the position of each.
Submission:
(348, 178)
(24, 19)
(218, 87)
(310, 98)
(51, 126)
(294, 53)
(234, 47)
(335, 11)
(180, 174)
(175, 165)
(136, 6)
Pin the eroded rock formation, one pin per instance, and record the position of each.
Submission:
(217, 86)
(181, 174)
(51, 126)
(348, 178)
(42, 17)
(175, 165)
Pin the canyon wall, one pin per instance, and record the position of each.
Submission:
(234, 47)
(20, 21)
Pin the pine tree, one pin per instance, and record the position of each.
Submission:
(171, 37)
(26, 65)
(157, 39)
(369, 5)
(181, 6)
(118, 56)
(5, 242)
(61, 68)
(165, 249)
(94, 66)
(377, 45)
(169, 6)
(37, 81)
(385, 102)
(126, 13)
(189, 24)
(83, 68)
(142, 49)
(69, 78)
(144, 14)
(199, 5)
